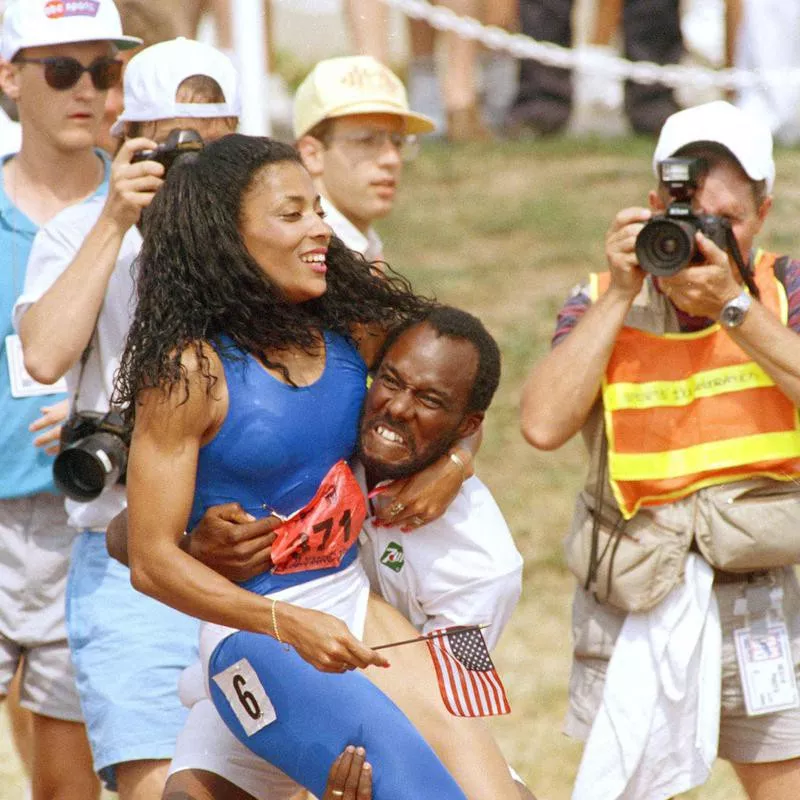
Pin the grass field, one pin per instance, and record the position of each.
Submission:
(505, 230)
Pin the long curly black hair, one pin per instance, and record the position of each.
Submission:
(196, 281)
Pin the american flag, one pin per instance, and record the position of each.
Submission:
(468, 681)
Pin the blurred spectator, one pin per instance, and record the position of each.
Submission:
(160, 20)
(57, 73)
(651, 32)
(769, 39)
(452, 99)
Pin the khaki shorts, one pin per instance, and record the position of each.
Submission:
(35, 545)
(770, 737)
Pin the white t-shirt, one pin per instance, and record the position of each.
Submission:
(54, 248)
(370, 246)
(460, 569)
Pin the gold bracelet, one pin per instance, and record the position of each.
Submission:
(275, 622)
(456, 459)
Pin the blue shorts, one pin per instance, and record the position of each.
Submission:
(299, 719)
(128, 651)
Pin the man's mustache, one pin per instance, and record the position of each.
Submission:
(396, 425)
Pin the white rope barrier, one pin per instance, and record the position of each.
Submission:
(588, 60)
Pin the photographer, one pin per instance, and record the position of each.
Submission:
(685, 387)
(73, 317)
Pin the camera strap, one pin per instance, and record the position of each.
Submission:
(615, 537)
(84, 358)
(744, 269)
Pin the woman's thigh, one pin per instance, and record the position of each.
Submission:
(465, 745)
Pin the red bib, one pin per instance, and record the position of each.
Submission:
(320, 533)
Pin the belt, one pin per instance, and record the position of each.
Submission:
(720, 576)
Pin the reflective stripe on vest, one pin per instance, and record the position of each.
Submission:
(673, 428)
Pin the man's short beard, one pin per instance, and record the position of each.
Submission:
(382, 470)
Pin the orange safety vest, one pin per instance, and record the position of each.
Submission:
(688, 410)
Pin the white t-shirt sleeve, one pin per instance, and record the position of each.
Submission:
(53, 250)
(471, 571)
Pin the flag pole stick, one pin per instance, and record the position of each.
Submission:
(433, 635)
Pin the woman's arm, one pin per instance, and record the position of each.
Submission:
(169, 431)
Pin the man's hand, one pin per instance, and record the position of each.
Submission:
(350, 777)
(626, 274)
(232, 542)
(132, 186)
(50, 423)
(703, 289)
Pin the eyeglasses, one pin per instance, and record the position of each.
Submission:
(63, 72)
(367, 144)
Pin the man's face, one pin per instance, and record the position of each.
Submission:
(416, 407)
(725, 191)
(68, 119)
(361, 167)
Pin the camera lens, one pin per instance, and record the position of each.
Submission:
(81, 471)
(665, 246)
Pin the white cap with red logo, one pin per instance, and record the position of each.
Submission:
(36, 23)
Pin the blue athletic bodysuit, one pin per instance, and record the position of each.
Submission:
(275, 446)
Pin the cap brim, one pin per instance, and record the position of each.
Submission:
(415, 123)
(128, 42)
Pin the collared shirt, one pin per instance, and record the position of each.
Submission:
(24, 469)
(370, 246)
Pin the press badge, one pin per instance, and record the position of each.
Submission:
(764, 654)
(243, 690)
(22, 384)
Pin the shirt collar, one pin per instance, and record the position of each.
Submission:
(370, 246)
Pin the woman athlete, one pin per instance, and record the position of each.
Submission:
(245, 380)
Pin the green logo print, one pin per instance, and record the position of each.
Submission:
(393, 556)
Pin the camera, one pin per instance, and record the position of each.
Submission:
(666, 243)
(179, 142)
(93, 454)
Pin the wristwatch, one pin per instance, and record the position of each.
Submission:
(734, 311)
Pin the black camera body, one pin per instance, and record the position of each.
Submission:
(666, 243)
(179, 142)
(93, 454)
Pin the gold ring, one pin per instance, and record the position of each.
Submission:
(418, 521)
(337, 792)
(395, 509)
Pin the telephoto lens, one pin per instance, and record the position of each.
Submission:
(94, 455)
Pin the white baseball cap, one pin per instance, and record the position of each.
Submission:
(338, 87)
(153, 76)
(35, 23)
(747, 138)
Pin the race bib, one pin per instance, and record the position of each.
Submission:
(320, 533)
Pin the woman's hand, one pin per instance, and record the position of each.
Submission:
(322, 639)
(423, 497)
(350, 777)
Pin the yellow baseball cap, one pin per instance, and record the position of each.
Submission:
(338, 87)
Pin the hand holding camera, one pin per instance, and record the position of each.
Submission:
(139, 170)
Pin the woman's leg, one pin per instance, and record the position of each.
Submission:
(299, 719)
(465, 745)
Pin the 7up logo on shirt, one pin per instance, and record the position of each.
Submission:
(393, 556)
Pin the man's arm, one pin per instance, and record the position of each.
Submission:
(562, 388)
(56, 329)
(228, 539)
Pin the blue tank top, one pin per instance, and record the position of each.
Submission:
(278, 442)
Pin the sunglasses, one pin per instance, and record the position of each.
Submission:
(63, 72)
